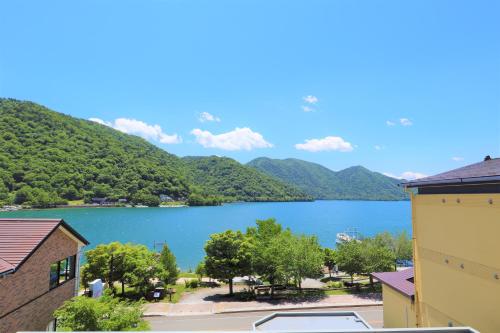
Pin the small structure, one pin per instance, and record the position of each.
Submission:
(96, 288)
(166, 198)
(335, 322)
(100, 201)
(312, 321)
(398, 292)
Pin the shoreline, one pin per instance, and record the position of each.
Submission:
(19, 208)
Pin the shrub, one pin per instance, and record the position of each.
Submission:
(193, 284)
(100, 314)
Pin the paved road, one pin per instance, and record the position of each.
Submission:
(243, 321)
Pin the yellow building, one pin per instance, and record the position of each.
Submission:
(456, 243)
(398, 293)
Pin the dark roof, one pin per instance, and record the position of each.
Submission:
(485, 171)
(19, 238)
(402, 281)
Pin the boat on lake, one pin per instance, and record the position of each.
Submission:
(349, 235)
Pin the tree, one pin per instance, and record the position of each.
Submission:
(4, 193)
(305, 260)
(142, 266)
(107, 262)
(24, 194)
(403, 248)
(200, 270)
(228, 254)
(378, 257)
(167, 260)
(100, 314)
(266, 257)
(351, 258)
(129, 264)
(145, 198)
(330, 259)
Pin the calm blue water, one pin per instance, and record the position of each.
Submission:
(186, 229)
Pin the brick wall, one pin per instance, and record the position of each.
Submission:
(28, 288)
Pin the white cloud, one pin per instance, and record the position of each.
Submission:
(408, 175)
(140, 128)
(311, 99)
(390, 123)
(457, 158)
(306, 108)
(329, 143)
(237, 139)
(378, 147)
(205, 116)
(405, 122)
(100, 121)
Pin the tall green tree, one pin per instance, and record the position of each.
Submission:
(200, 270)
(169, 263)
(305, 260)
(106, 262)
(143, 266)
(403, 247)
(330, 259)
(266, 251)
(228, 254)
(378, 257)
(351, 258)
(130, 264)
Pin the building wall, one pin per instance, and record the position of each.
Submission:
(457, 260)
(26, 303)
(399, 310)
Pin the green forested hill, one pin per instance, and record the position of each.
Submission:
(225, 176)
(48, 158)
(355, 183)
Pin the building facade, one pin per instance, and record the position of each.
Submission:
(456, 242)
(398, 293)
(39, 270)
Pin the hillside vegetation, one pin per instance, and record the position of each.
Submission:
(48, 158)
(225, 176)
(354, 183)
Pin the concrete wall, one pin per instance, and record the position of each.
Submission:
(399, 310)
(457, 260)
(26, 303)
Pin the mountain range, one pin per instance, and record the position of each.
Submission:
(354, 183)
(49, 158)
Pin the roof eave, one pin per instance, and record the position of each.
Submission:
(452, 181)
(7, 272)
(74, 232)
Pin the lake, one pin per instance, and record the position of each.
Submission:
(186, 229)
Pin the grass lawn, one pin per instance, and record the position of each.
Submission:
(75, 202)
(188, 275)
(350, 291)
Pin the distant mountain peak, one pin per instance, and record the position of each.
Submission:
(353, 183)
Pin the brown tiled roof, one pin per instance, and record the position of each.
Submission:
(400, 280)
(19, 238)
(485, 171)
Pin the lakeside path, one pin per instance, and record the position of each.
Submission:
(214, 301)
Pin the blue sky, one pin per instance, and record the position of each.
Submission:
(396, 86)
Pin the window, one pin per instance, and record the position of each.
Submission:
(51, 326)
(62, 271)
